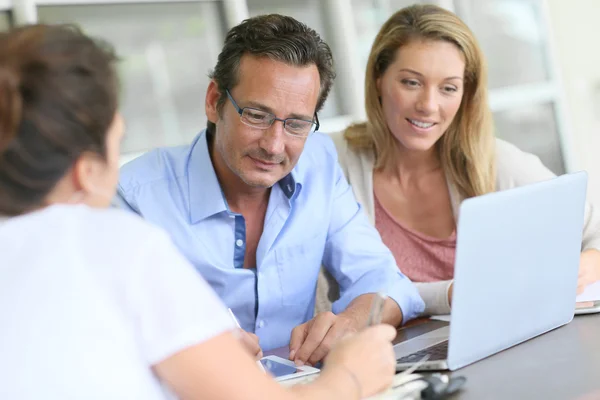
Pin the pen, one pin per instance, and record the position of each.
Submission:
(240, 327)
(234, 318)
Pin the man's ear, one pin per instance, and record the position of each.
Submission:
(212, 98)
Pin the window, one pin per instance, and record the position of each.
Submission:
(168, 48)
(511, 35)
(533, 129)
(524, 93)
(369, 16)
(167, 51)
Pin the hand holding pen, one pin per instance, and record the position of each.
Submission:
(249, 340)
(367, 357)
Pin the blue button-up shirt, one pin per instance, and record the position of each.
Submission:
(312, 218)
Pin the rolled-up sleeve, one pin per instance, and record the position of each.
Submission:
(359, 261)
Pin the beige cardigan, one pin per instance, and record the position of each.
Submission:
(514, 168)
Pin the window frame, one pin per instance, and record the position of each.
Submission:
(26, 11)
(343, 45)
(530, 94)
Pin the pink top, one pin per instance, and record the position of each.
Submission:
(421, 258)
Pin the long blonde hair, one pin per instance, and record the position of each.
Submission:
(467, 148)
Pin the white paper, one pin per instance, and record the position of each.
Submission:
(591, 293)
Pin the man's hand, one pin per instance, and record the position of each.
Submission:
(589, 269)
(250, 342)
(312, 341)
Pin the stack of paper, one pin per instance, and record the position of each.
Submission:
(591, 293)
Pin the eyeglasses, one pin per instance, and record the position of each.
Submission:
(263, 120)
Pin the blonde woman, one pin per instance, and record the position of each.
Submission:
(428, 143)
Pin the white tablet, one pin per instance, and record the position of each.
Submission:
(283, 369)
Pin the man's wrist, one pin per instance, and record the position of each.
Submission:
(358, 311)
(354, 319)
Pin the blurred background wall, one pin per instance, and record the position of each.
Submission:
(544, 65)
(576, 32)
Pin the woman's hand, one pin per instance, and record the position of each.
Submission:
(367, 358)
(250, 341)
(589, 269)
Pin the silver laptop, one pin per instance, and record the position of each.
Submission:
(517, 260)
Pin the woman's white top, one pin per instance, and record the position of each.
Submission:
(90, 300)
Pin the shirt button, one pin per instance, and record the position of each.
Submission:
(239, 243)
(261, 323)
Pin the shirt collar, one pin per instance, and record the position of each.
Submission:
(206, 196)
(289, 185)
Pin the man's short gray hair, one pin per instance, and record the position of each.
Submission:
(279, 38)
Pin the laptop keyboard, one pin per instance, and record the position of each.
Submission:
(436, 353)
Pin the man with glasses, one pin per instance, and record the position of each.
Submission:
(258, 201)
